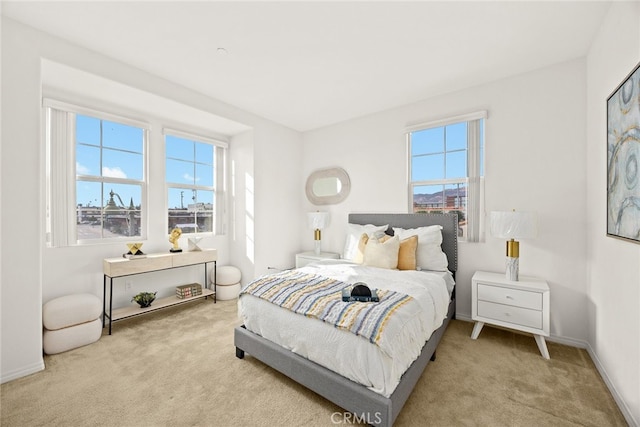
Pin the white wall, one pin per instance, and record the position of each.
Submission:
(21, 228)
(33, 274)
(613, 279)
(278, 199)
(241, 248)
(535, 160)
(265, 208)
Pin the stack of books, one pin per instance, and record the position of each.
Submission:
(188, 291)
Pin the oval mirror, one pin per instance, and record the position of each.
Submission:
(327, 186)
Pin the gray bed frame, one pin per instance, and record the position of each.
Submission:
(368, 406)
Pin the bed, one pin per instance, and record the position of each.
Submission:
(376, 404)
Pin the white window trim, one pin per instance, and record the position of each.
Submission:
(220, 179)
(475, 182)
(62, 178)
(477, 115)
(86, 111)
(195, 137)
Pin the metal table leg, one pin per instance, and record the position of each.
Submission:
(110, 303)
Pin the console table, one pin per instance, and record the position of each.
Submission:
(121, 267)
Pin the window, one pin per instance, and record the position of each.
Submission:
(195, 177)
(446, 172)
(96, 175)
(109, 178)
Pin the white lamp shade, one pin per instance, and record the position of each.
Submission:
(318, 220)
(514, 225)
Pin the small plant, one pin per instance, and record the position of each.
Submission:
(144, 298)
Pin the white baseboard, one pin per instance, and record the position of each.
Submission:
(626, 412)
(23, 372)
(463, 317)
(571, 342)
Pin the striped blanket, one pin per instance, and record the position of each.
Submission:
(321, 297)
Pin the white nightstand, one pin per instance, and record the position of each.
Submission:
(305, 258)
(521, 305)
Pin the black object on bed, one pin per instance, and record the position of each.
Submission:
(353, 397)
(360, 293)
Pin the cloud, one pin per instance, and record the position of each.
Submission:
(81, 169)
(189, 178)
(113, 173)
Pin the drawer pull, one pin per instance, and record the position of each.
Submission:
(509, 297)
(507, 314)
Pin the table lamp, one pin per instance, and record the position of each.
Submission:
(318, 221)
(513, 225)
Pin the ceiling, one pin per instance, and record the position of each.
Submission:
(311, 64)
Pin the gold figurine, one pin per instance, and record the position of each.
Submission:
(173, 238)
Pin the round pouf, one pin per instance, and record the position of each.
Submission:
(227, 282)
(71, 321)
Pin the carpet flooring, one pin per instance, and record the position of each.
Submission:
(177, 367)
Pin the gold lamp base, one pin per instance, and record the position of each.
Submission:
(317, 242)
(513, 248)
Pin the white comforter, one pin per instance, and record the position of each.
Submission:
(378, 367)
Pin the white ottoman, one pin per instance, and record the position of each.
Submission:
(71, 321)
(227, 282)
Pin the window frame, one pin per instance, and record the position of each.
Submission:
(62, 177)
(474, 180)
(220, 149)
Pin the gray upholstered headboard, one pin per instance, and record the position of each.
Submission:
(449, 223)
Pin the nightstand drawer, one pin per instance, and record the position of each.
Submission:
(513, 297)
(510, 314)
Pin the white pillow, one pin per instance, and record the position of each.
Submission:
(354, 232)
(429, 255)
(382, 254)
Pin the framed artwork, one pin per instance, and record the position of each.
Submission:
(623, 159)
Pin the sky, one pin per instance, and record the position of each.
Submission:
(439, 153)
(109, 149)
(428, 147)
